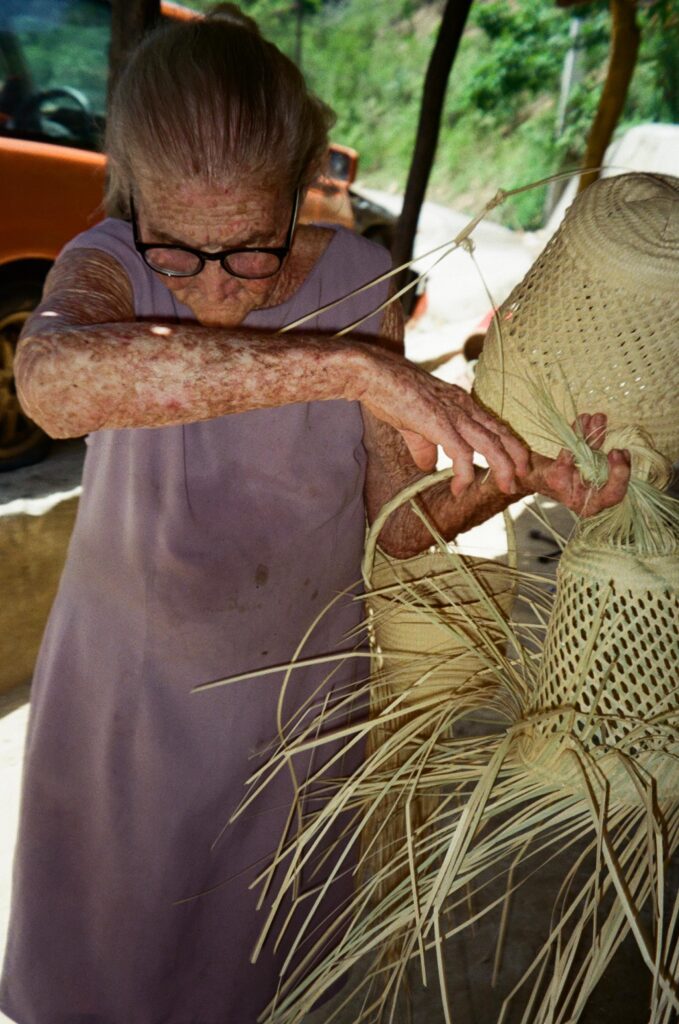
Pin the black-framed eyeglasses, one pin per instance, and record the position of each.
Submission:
(250, 262)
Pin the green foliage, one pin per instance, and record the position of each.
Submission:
(62, 45)
(368, 58)
(509, 66)
(276, 18)
(656, 92)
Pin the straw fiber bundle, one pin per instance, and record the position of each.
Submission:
(428, 630)
(527, 742)
(426, 624)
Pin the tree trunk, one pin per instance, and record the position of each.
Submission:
(625, 37)
(130, 20)
(433, 95)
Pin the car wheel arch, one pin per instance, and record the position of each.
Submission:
(22, 442)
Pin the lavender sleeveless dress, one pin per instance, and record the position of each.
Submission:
(199, 552)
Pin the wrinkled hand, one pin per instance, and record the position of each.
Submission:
(560, 479)
(428, 412)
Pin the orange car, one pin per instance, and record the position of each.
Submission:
(53, 81)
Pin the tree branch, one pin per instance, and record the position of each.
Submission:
(433, 96)
(625, 37)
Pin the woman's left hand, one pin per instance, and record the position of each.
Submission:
(560, 479)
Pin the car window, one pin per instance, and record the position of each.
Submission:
(339, 165)
(53, 70)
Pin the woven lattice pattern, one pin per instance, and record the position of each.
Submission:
(611, 661)
(596, 318)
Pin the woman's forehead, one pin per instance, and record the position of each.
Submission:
(189, 211)
(237, 193)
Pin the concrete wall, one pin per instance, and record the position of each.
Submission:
(32, 553)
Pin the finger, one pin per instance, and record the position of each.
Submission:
(615, 488)
(463, 476)
(565, 459)
(565, 478)
(516, 450)
(597, 430)
(462, 457)
(581, 424)
(492, 446)
(424, 453)
(619, 467)
(475, 414)
(458, 485)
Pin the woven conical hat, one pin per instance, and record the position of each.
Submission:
(596, 319)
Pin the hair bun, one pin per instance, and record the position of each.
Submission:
(233, 14)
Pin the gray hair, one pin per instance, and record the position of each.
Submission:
(208, 98)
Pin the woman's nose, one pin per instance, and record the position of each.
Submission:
(215, 281)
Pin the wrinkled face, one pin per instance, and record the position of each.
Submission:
(215, 218)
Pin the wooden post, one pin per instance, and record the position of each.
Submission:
(433, 96)
(130, 20)
(625, 37)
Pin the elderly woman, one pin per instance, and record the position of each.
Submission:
(224, 495)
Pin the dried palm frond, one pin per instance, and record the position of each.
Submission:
(522, 754)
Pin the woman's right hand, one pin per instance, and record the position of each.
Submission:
(428, 412)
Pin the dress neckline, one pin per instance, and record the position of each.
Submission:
(309, 279)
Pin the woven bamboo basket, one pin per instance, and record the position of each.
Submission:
(612, 271)
(607, 685)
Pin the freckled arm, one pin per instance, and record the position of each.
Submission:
(391, 468)
(84, 363)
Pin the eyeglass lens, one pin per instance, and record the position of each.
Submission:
(185, 264)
